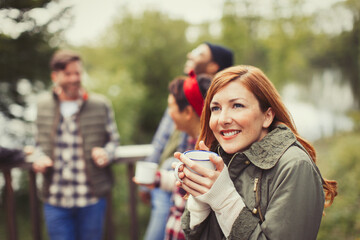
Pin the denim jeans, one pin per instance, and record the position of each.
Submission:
(161, 203)
(85, 223)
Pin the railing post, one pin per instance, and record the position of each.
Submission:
(109, 224)
(34, 207)
(10, 206)
(129, 155)
(133, 202)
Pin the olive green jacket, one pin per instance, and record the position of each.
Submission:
(280, 186)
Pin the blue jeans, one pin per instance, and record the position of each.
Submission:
(161, 203)
(85, 223)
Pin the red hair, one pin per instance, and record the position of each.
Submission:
(267, 95)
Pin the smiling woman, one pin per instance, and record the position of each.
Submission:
(266, 183)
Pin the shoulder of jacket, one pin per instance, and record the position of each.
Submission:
(294, 155)
(45, 99)
(95, 98)
(44, 96)
(297, 160)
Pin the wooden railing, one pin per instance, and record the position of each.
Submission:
(124, 155)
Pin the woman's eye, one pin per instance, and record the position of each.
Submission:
(215, 108)
(238, 105)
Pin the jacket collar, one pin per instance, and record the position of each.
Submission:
(84, 96)
(267, 152)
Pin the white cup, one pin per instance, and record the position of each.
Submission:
(200, 156)
(145, 172)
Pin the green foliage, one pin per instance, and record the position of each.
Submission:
(16, 54)
(287, 45)
(141, 55)
(280, 45)
(240, 33)
(355, 115)
(27, 55)
(289, 54)
(339, 158)
(121, 206)
(343, 50)
(126, 96)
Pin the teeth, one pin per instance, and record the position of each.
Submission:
(227, 134)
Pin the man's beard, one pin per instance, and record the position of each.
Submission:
(72, 91)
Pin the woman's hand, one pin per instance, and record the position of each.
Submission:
(193, 183)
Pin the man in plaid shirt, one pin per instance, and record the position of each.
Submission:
(76, 141)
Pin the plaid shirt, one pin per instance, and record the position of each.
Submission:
(173, 230)
(70, 187)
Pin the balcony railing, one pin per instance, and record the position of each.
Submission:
(128, 155)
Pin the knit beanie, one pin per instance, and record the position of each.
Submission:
(223, 56)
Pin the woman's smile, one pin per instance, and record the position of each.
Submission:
(228, 134)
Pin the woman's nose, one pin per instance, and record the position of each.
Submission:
(225, 117)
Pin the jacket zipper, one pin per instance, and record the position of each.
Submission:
(257, 180)
(257, 208)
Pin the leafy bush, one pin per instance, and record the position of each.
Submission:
(339, 159)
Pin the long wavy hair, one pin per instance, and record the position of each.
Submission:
(256, 82)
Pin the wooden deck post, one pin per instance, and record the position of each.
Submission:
(133, 203)
(34, 207)
(10, 206)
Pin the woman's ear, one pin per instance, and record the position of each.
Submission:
(269, 117)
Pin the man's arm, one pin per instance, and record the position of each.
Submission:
(104, 155)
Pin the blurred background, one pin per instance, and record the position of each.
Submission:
(133, 49)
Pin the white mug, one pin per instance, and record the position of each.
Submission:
(201, 157)
(145, 172)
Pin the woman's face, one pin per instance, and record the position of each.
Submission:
(236, 119)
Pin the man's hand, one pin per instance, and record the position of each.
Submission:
(100, 156)
(42, 163)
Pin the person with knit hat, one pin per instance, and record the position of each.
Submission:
(207, 58)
